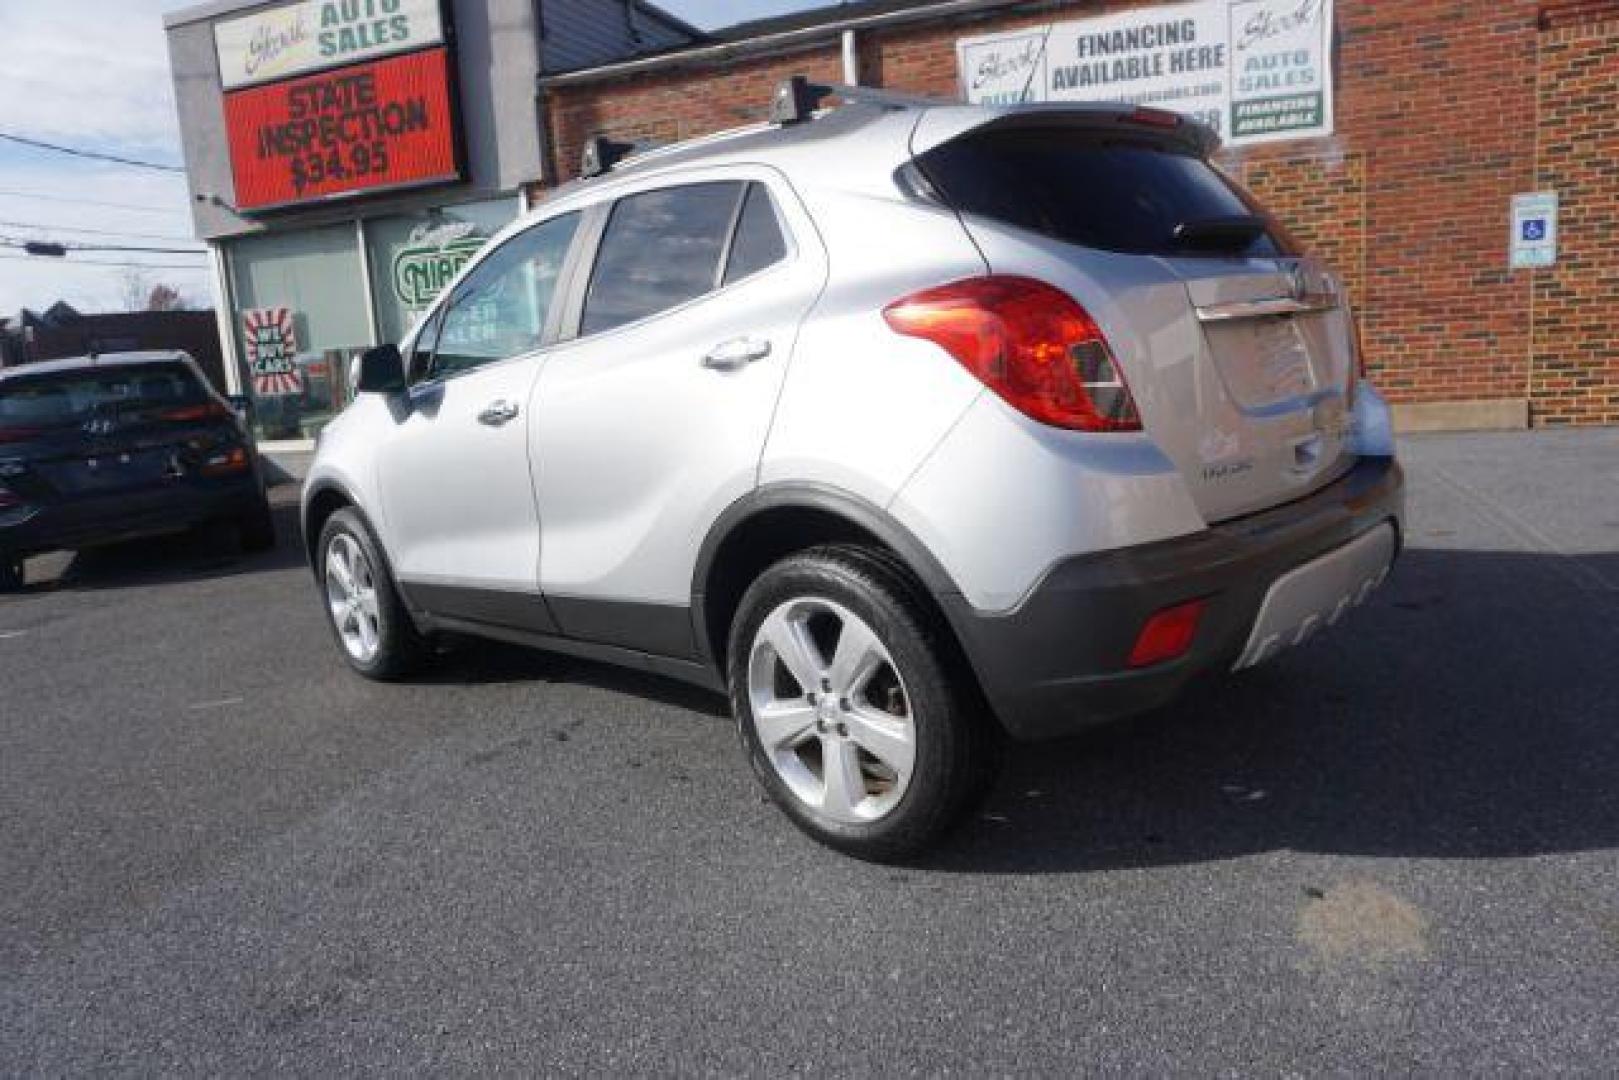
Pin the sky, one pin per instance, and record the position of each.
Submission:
(93, 74)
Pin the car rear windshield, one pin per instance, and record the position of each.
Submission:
(73, 396)
(1101, 191)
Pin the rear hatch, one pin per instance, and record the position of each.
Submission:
(1238, 348)
(93, 432)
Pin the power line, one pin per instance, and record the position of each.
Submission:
(197, 267)
(93, 232)
(89, 202)
(92, 155)
(11, 241)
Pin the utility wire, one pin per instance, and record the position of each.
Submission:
(89, 202)
(37, 261)
(92, 232)
(92, 155)
(11, 241)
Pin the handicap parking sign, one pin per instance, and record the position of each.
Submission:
(1534, 230)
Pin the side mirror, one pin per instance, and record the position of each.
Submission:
(382, 371)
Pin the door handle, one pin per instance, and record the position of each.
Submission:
(736, 353)
(498, 413)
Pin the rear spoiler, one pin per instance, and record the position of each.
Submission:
(946, 123)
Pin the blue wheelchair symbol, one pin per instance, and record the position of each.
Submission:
(1534, 229)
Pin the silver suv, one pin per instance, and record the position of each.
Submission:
(907, 425)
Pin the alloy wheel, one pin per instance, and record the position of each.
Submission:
(351, 596)
(831, 711)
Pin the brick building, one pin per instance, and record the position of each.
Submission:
(1443, 111)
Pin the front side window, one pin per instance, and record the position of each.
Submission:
(660, 249)
(501, 309)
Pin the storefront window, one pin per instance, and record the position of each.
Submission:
(300, 318)
(415, 255)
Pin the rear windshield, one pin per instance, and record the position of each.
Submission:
(74, 396)
(1106, 192)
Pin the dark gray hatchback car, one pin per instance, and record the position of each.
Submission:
(100, 449)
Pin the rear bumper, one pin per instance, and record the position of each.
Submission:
(107, 519)
(1058, 663)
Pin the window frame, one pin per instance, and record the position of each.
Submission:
(594, 229)
(433, 322)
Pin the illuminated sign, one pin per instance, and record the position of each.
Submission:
(380, 125)
(296, 39)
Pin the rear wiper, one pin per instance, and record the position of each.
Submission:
(1234, 234)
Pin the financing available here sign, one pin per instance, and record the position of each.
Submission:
(1254, 70)
(298, 38)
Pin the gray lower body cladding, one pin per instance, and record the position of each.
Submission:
(1059, 662)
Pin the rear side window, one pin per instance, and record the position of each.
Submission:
(758, 242)
(661, 249)
(71, 398)
(1110, 193)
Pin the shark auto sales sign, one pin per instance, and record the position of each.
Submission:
(337, 98)
(1254, 70)
(295, 39)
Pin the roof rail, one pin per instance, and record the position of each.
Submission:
(796, 99)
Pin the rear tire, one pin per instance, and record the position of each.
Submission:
(256, 529)
(889, 746)
(11, 572)
(374, 632)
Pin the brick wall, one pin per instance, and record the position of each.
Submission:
(1575, 376)
(1437, 104)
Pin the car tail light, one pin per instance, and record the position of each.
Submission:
(19, 434)
(1357, 370)
(1160, 118)
(223, 462)
(1029, 342)
(1167, 635)
(9, 498)
(211, 410)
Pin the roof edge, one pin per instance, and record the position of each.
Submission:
(712, 51)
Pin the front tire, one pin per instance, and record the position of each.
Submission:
(853, 705)
(374, 631)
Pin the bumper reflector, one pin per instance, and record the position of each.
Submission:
(1167, 635)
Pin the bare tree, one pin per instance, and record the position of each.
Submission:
(135, 288)
(165, 298)
(138, 292)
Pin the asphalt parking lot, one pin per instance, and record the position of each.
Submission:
(1395, 849)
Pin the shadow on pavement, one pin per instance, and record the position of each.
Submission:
(209, 551)
(1469, 711)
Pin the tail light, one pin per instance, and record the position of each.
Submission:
(1167, 635)
(1150, 117)
(1357, 369)
(19, 434)
(9, 498)
(225, 461)
(211, 410)
(1029, 342)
